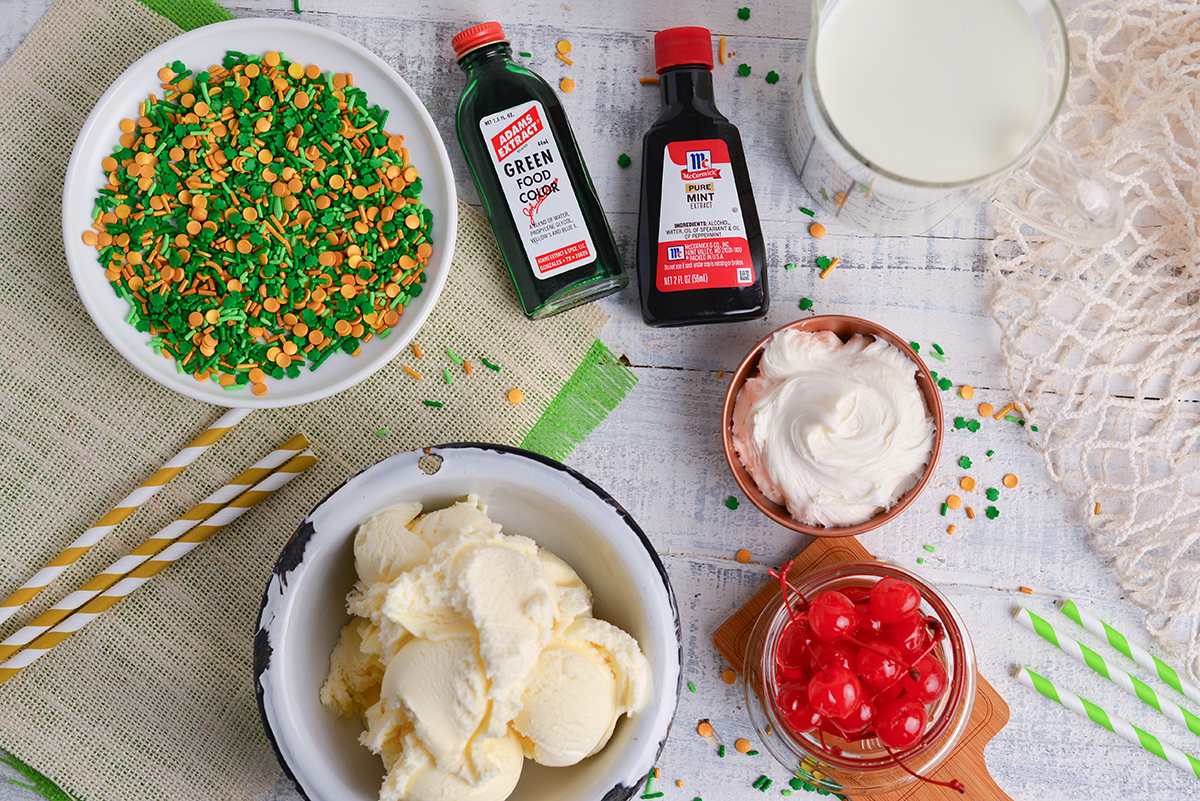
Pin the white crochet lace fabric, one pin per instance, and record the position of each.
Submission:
(1103, 346)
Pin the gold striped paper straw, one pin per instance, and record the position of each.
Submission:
(140, 575)
(27, 591)
(113, 573)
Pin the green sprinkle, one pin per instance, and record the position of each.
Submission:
(920, 561)
(743, 13)
(692, 686)
(449, 378)
(1016, 420)
(965, 462)
(944, 508)
(824, 194)
(763, 783)
(772, 77)
(296, 6)
(785, 792)
(805, 304)
(809, 212)
(992, 512)
(489, 365)
(990, 453)
(824, 262)
(789, 266)
(434, 404)
(916, 346)
(993, 494)
(623, 160)
(758, 782)
(523, 54)
(934, 374)
(1033, 428)
(731, 502)
(945, 384)
(930, 548)
(938, 348)
(653, 795)
(973, 426)
(752, 753)
(796, 784)
(743, 70)
(453, 356)
(721, 751)
(960, 422)
(938, 356)
(383, 432)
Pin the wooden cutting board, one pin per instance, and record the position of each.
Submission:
(987, 719)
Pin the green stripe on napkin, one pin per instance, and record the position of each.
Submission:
(188, 14)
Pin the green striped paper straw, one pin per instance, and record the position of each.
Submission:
(1144, 658)
(1118, 726)
(1128, 683)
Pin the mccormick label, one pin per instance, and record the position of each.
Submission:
(701, 237)
(539, 193)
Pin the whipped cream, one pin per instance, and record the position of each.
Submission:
(834, 431)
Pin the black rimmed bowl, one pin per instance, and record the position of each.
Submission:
(304, 609)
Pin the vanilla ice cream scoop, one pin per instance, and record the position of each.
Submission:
(471, 649)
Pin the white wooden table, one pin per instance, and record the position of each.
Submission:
(659, 454)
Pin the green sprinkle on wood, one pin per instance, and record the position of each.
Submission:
(944, 508)
(965, 462)
(993, 494)
(920, 561)
(805, 304)
(991, 453)
(691, 686)
(929, 548)
(743, 13)
(944, 384)
(992, 512)
(721, 751)
(916, 346)
(937, 356)
(960, 422)
(743, 70)
(824, 261)
(807, 211)
(623, 160)
(938, 348)
(973, 426)
(772, 77)
(751, 753)
(789, 266)
(523, 54)
(732, 502)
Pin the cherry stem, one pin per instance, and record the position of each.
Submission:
(953, 784)
(784, 586)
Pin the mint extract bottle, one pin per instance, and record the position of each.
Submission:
(700, 248)
(531, 178)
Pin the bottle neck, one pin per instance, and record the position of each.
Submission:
(486, 55)
(687, 86)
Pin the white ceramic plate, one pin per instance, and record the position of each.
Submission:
(304, 609)
(200, 49)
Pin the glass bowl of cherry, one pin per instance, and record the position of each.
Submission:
(860, 678)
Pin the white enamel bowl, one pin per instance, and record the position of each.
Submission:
(200, 49)
(304, 610)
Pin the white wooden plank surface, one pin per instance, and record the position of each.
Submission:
(660, 455)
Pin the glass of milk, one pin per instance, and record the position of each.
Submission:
(909, 108)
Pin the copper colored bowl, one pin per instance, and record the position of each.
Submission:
(844, 327)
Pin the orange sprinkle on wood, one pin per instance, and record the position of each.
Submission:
(649, 81)
(721, 51)
(950, 529)
(564, 59)
(1097, 509)
(729, 676)
(986, 410)
(967, 483)
(1000, 414)
(704, 729)
(829, 269)
(970, 513)
(966, 392)
(1010, 481)
(954, 502)
(1027, 590)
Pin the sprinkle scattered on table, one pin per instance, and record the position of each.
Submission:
(993, 494)
(743, 70)
(489, 365)
(944, 384)
(564, 59)
(729, 676)
(1003, 412)
(929, 548)
(761, 783)
(944, 508)
(563, 47)
(383, 432)
(967, 483)
(805, 304)
(467, 367)
(990, 453)
(434, 404)
(417, 351)
(523, 54)
(649, 81)
(449, 378)
(823, 262)
(567, 85)
(964, 462)
(808, 211)
(1027, 590)
(413, 373)
(704, 728)
(966, 392)
(970, 513)
(1096, 511)
(732, 503)
(1009, 481)
(515, 396)
(986, 410)
(816, 230)
(721, 50)
(744, 556)
(772, 77)
(623, 160)
(916, 346)
(950, 529)
(741, 745)
(454, 357)
(954, 502)
(691, 686)
(992, 512)
(831, 266)
(920, 560)
(744, 12)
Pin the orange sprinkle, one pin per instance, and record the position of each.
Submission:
(744, 556)
(567, 85)
(679, 782)
(413, 373)
(259, 389)
(1027, 590)
(649, 81)
(1097, 509)
(832, 264)
(950, 529)
(966, 392)
(721, 51)
(515, 396)
(467, 367)
(970, 513)
(729, 676)
(417, 351)
(816, 230)
(742, 745)
(954, 502)
(967, 483)
(563, 47)
(564, 59)
(1010, 481)
(986, 410)
(704, 729)
(1000, 414)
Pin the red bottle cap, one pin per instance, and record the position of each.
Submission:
(479, 35)
(675, 47)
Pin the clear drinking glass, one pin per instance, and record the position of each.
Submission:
(861, 767)
(1044, 185)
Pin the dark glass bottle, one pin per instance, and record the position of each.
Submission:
(700, 248)
(532, 181)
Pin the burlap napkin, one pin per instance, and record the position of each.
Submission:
(155, 699)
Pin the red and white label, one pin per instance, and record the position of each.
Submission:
(530, 168)
(701, 234)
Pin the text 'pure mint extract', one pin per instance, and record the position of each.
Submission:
(531, 179)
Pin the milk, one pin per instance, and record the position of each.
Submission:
(932, 90)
